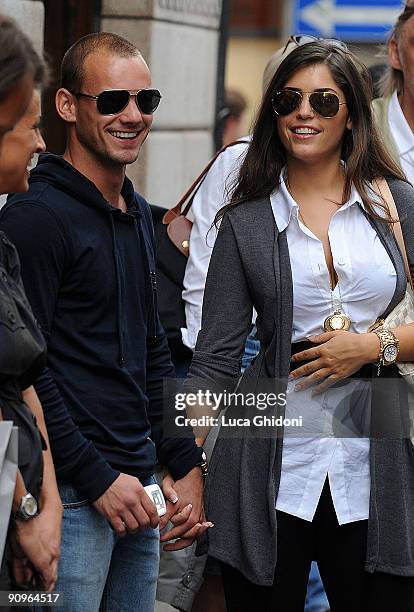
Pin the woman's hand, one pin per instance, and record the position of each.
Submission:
(186, 513)
(38, 541)
(336, 356)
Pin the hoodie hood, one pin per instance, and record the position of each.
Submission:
(56, 171)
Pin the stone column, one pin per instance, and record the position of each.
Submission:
(29, 14)
(179, 40)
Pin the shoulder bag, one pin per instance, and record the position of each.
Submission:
(403, 313)
(172, 229)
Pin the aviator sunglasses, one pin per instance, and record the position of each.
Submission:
(113, 101)
(325, 103)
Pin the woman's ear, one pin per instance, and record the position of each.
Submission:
(66, 105)
(349, 123)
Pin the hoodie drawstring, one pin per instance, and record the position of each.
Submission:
(152, 327)
(121, 358)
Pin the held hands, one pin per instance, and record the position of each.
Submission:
(126, 505)
(336, 355)
(36, 547)
(184, 509)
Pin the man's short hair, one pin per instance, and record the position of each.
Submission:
(72, 73)
(393, 79)
(17, 58)
(235, 102)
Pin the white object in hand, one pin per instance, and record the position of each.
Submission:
(155, 494)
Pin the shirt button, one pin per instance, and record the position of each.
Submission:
(341, 262)
(11, 317)
(187, 579)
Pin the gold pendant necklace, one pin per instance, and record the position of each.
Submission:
(338, 320)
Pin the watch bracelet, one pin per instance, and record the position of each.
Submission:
(386, 337)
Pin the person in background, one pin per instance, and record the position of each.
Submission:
(377, 72)
(394, 111)
(232, 115)
(33, 544)
(88, 268)
(181, 575)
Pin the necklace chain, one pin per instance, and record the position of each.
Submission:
(338, 320)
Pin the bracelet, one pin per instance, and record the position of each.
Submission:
(389, 347)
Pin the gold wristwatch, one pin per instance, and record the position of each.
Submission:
(389, 347)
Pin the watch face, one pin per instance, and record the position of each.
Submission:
(30, 506)
(390, 353)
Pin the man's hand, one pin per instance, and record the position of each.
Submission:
(127, 506)
(36, 545)
(187, 513)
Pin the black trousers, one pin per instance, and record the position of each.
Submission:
(340, 553)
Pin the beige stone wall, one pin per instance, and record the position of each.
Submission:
(29, 14)
(246, 60)
(179, 40)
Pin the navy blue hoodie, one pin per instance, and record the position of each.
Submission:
(89, 273)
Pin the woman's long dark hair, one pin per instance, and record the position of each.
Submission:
(362, 150)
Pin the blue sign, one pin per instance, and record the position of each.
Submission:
(349, 20)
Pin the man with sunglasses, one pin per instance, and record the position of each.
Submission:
(86, 245)
(394, 112)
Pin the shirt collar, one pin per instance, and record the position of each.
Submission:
(283, 204)
(400, 129)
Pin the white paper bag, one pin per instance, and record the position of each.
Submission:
(8, 470)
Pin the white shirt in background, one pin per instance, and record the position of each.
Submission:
(211, 196)
(403, 136)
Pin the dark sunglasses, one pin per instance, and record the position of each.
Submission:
(325, 103)
(113, 101)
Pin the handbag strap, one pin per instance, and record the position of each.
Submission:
(176, 210)
(386, 194)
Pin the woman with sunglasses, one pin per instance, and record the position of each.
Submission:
(33, 542)
(306, 241)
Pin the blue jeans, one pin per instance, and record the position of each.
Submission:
(316, 600)
(99, 570)
(251, 349)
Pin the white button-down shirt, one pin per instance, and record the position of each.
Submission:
(212, 195)
(366, 283)
(403, 136)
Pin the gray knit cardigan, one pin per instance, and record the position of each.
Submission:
(249, 268)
